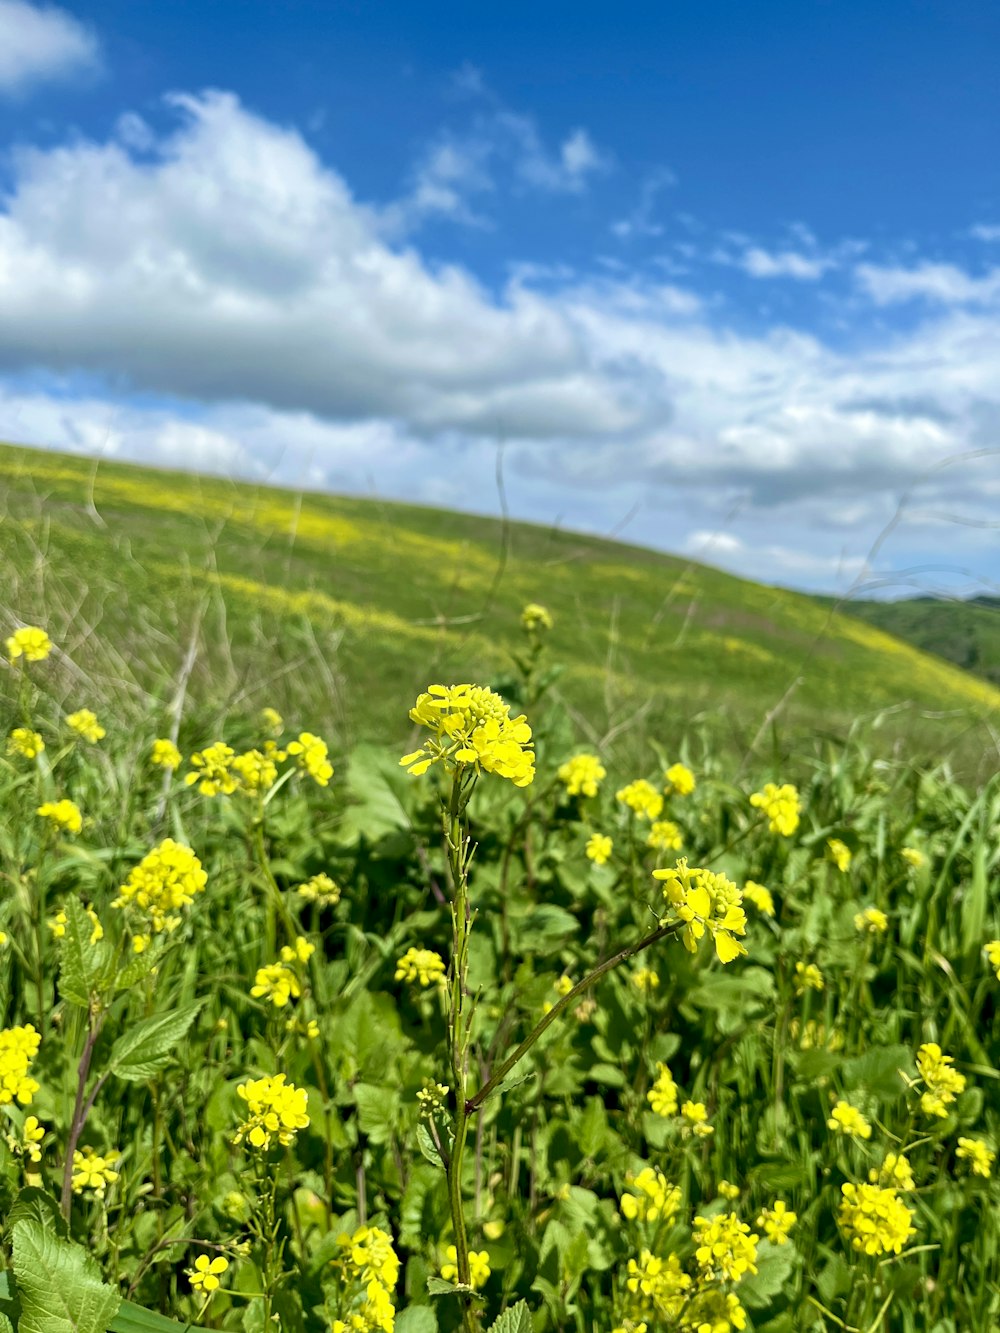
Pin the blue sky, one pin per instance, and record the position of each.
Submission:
(723, 278)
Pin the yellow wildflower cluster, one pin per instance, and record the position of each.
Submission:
(871, 921)
(275, 1109)
(18, 1047)
(993, 956)
(472, 727)
(942, 1083)
(729, 1191)
(641, 797)
(704, 901)
(780, 805)
(760, 897)
(977, 1154)
(272, 721)
(840, 854)
(847, 1119)
(582, 775)
(776, 1222)
(85, 724)
(432, 1098)
(894, 1172)
(653, 1197)
(28, 1145)
(310, 753)
(31, 643)
(25, 742)
(213, 770)
(92, 1171)
(645, 980)
(164, 881)
(204, 1276)
(725, 1247)
(277, 983)
(479, 1267)
(659, 1289)
(695, 1117)
(57, 924)
(662, 1096)
(371, 1270)
(165, 754)
(421, 965)
(874, 1220)
(680, 780)
(64, 814)
(914, 857)
(665, 836)
(256, 770)
(320, 889)
(535, 618)
(807, 977)
(598, 848)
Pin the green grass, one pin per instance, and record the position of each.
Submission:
(334, 609)
(966, 633)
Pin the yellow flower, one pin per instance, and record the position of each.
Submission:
(697, 1119)
(277, 983)
(598, 848)
(256, 770)
(895, 1172)
(421, 965)
(642, 797)
(942, 1083)
(705, 901)
(847, 1119)
(18, 1047)
(164, 881)
(94, 1172)
(64, 814)
(275, 1108)
(213, 770)
(205, 1275)
(913, 857)
(978, 1155)
(25, 742)
(872, 921)
(644, 979)
(680, 779)
(780, 805)
(535, 618)
(759, 896)
(31, 643)
(582, 775)
(874, 1220)
(472, 727)
(479, 1267)
(311, 755)
(57, 924)
(320, 889)
(653, 1198)
(165, 754)
(730, 1191)
(807, 977)
(776, 1222)
(662, 1096)
(432, 1097)
(28, 1145)
(85, 724)
(665, 836)
(272, 720)
(840, 854)
(301, 952)
(725, 1248)
(993, 955)
(369, 1253)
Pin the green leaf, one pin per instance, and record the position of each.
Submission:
(774, 1266)
(5, 1325)
(59, 1285)
(143, 1050)
(437, 1286)
(417, 1319)
(80, 961)
(378, 1110)
(133, 1318)
(515, 1320)
(877, 1071)
(428, 1147)
(35, 1205)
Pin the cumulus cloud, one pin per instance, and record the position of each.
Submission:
(943, 283)
(760, 263)
(41, 44)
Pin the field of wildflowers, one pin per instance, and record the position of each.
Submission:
(486, 1033)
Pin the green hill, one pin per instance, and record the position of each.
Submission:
(338, 610)
(964, 632)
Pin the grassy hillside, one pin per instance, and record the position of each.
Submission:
(334, 609)
(966, 633)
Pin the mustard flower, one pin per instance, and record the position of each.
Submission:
(696, 1118)
(645, 980)
(421, 965)
(759, 896)
(25, 742)
(165, 754)
(277, 983)
(598, 848)
(29, 1143)
(165, 881)
(64, 814)
(370, 1256)
(780, 805)
(978, 1155)
(665, 836)
(92, 1171)
(18, 1048)
(680, 779)
(85, 724)
(714, 1311)
(847, 1119)
(840, 854)
(256, 770)
(725, 1247)
(871, 921)
(641, 797)
(213, 770)
(562, 986)
(913, 857)
(704, 901)
(895, 1172)
(662, 1096)
(942, 1083)
(432, 1098)
(272, 721)
(472, 728)
(320, 889)
(275, 1109)
(582, 775)
(992, 951)
(874, 1220)
(653, 1197)
(310, 753)
(31, 643)
(776, 1222)
(57, 924)
(808, 977)
(536, 618)
(3, 939)
(660, 1286)
(479, 1267)
(300, 952)
(204, 1276)
(730, 1191)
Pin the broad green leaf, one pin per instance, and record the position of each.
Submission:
(81, 961)
(133, 1318)
(35, 1205)
(437, 1286)
(417, 1319)
(143, 1050)
(515, 1320)
(378, 1110)
(59, 1285)
(774, 1266)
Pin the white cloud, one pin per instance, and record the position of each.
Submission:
(42, 44)
(985, 232)
(760, 263)
(944, 283)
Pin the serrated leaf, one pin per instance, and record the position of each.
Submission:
(59, 1285)
(143, 1050)
(81, 962)
(35, 1205)
(515, 1320)
(139, 965)
(437, 1286)
(774, 1266)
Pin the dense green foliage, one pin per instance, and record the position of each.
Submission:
(966, 632)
